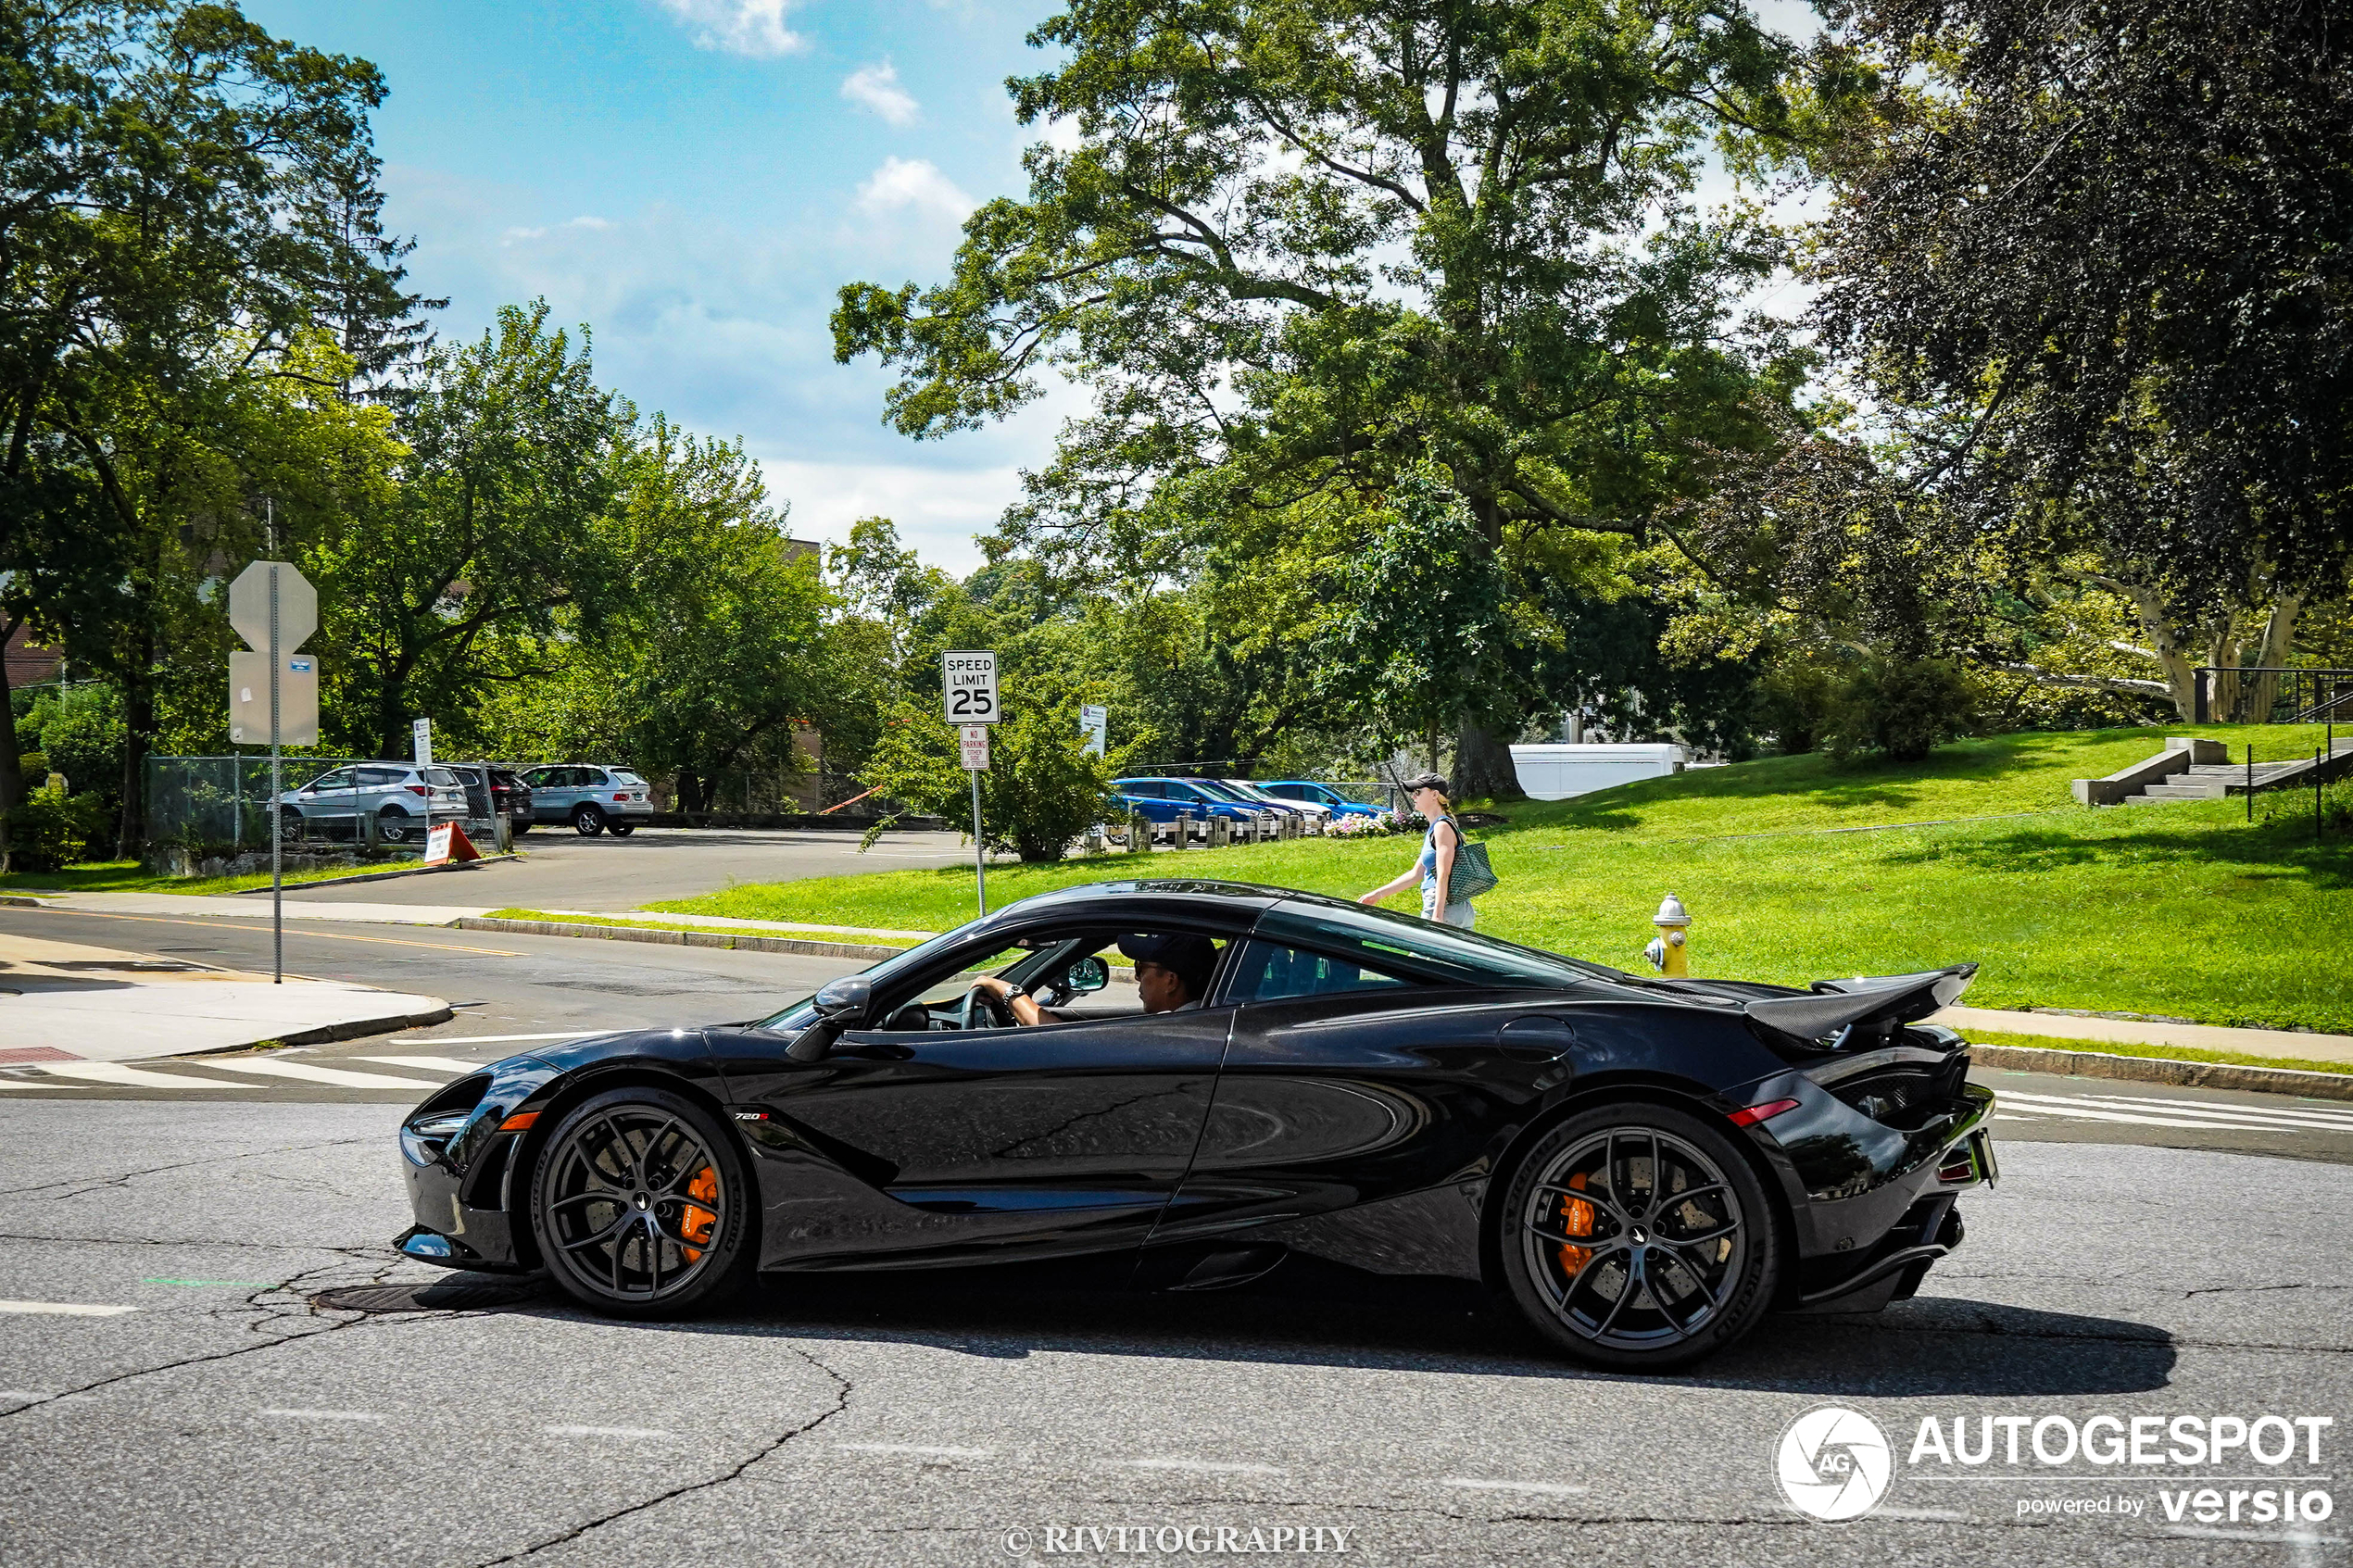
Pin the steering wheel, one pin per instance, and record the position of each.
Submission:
(981, 999)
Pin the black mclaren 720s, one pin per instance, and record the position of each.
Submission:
(1644, 1167)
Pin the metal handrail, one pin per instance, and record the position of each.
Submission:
(2266, 685)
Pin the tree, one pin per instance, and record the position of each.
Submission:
(1302, 244)
(1043, 788)
(498, 521)
(2110, 243)
(165, 168)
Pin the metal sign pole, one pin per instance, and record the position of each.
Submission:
(277, 886)
(980, 855)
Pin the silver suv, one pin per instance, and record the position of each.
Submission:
(592, 800)
(401, 796)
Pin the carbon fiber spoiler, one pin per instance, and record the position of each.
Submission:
(1890, 1000)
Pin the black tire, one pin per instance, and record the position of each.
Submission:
(290, 825)
(587, 821)
(1715, 1246)
(621, 830)
(391, 825)
(518, 827)
(629, 1184)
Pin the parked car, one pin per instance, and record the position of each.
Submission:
(1321, 794)
(401, 796)
(593, 799)
(1160, 800)
(491, 790)
(1319, 814)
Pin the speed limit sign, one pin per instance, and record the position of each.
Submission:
(968, 687)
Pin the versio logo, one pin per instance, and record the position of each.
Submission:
(1834, 1463)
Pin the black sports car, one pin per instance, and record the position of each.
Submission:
(1645, 1167)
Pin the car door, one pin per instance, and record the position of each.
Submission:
(1349, 1079)
(327, 796)
(998, 1142)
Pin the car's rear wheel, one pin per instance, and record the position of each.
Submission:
(290, 825)
(391, 825)
(1637, 1237)
(588, 821)
(620, 829)
(642, 1206)
(518, 826)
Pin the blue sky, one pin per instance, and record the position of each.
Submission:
(694, 179)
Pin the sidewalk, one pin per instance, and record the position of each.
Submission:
(65, 1002)
(243, 906)
(2289, 1044)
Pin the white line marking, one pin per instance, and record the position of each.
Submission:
(324, 1415)
(2089, 1114)
(912, 1449)
(429, 1063)
(1203, 1466)
(1546, 1488)
(135, 1077)
(646, 1432)
(2158, 1114)
(272, 1067)
(494, 1039)
(2314, 1115)
(65, 1309)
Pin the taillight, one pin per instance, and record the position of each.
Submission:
(419, 789)
(621, 798)
(1748, 1116)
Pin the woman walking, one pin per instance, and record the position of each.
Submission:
(1440, 849)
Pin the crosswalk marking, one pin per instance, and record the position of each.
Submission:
(65, 1309)
(274, 1067)
(2162, 1113)
(131, 1077)
(427, 1063)
(2299, 1108)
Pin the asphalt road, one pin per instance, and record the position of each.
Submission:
(563, 870)
(2150, 1252)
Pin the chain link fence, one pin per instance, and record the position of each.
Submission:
(214, 815)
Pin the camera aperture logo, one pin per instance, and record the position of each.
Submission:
(1834, 1463)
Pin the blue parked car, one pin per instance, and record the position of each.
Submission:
(1159, 800)
(1322, 795)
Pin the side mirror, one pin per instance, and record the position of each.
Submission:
(844, 1002)
(1089, 973)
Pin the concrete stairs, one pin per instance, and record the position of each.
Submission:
(2191, 769)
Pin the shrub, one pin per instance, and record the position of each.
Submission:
(1794, 703)
(50, 829)
(1043, 788)
(1901, 709)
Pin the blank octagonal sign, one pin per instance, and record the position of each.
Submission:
(249, 605)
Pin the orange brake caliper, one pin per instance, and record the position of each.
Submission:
(1576, 1219)
(696, 1223)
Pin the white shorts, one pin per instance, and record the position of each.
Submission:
(1460, 914)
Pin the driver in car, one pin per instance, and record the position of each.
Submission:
(1171, 973)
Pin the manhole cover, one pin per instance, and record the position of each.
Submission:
(443, 1297)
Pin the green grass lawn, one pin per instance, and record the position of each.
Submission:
(2181, 910)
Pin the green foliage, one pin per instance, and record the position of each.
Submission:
(77, 732)
(1900, 710)
(1042, 788)
(50, 829)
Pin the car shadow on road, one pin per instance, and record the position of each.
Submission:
(1308, 1313)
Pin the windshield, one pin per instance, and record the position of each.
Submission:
(1383, 936)
(1249, 791)
(1220, 790)
(441, 776)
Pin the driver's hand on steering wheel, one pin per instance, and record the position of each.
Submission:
(1018, 1002)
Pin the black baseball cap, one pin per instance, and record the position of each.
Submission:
(1188, 956)
(1425, 781)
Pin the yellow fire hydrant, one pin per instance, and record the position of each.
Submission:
(1667, 952)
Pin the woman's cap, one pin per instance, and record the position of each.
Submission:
(1425, 781)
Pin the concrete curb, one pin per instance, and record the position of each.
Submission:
(378, 876)
(354, 1029)
(2164, 1069)
(679, 938)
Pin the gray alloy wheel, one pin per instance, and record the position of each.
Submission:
(642, 1207)
(1637, 1237)
(587, 820)
(391, 825)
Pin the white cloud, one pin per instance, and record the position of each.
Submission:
(740, 27)
(913, 182)
(876, 87)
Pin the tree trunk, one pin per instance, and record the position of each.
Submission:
(1484, 769)
(139, 730)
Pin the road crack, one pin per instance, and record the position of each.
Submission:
(841, 1403)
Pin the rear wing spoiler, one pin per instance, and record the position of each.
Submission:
(1887, 1001)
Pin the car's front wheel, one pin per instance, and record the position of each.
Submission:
(1637, 1237)
(642, 1207)
(391, 825)
(588, 821)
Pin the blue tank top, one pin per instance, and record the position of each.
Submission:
(1429, 853)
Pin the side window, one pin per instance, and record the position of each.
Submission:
(536, 778)
(1143, 788)
(376, 778)
(589, 777)
(339, 779)
(1269, 972)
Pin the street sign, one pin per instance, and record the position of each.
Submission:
(975, 738)
(968, 686)
(250, 700)
(249, 609)
(1095, 724)
(423, 731)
